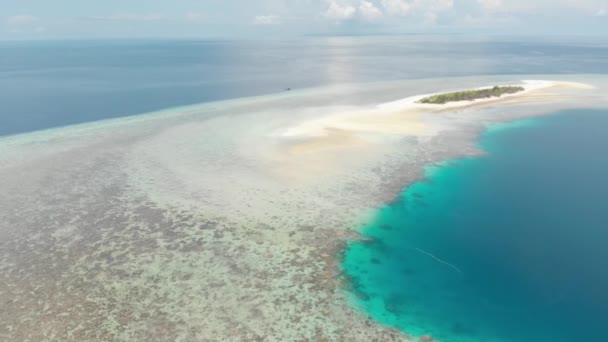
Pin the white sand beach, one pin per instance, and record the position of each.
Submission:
(404, 117)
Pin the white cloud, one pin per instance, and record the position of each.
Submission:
(133, 17)
(194, 17)
(430, 18)
(21, 20)
(442, 5)
(539, 6)
(433, 9)
(601, 13)
(369, 11)
(190, 17)
(266, 20)
(340, 12)
(490, 4)
(396, 7)
(24, 23)
(583, 5)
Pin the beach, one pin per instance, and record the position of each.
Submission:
(227, 220)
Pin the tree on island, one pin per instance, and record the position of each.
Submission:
(470, 95)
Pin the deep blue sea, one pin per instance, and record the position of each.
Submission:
(510, 246)
(47, 84)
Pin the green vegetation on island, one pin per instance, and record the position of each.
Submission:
(470, 95)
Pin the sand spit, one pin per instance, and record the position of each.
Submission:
(403, 117)
(224, 222)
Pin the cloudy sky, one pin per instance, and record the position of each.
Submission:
(40, 19)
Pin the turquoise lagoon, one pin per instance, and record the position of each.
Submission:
(509, 246)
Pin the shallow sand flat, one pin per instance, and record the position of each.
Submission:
(403, 116)
(206, 223)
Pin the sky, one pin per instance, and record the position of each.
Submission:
(64, 19)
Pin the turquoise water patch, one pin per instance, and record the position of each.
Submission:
(497, 127)
(505, 247)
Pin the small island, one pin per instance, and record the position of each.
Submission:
(470, 95)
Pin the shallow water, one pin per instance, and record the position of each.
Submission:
(505, 247)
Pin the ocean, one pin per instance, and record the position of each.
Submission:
(508, 246)
(48, 84)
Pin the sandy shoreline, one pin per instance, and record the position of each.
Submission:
(402, 116)
(222, 227)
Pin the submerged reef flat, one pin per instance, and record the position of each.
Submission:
(224, 221)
